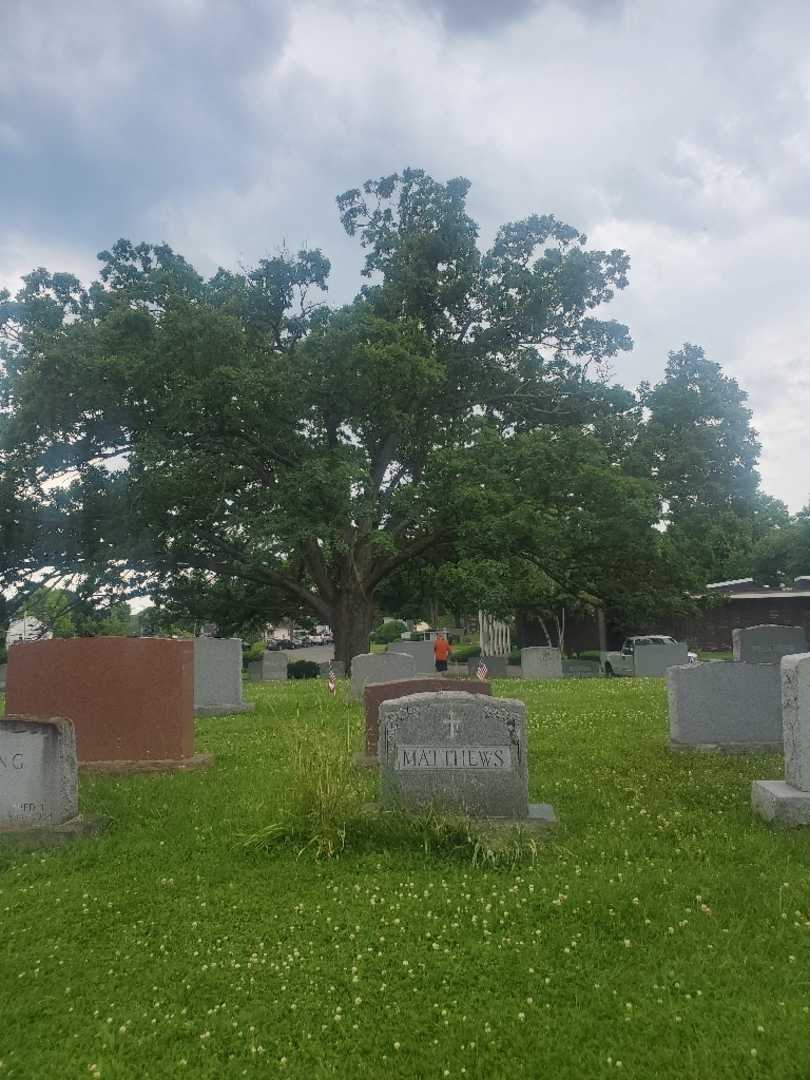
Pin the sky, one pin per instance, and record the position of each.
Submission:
(678, 132)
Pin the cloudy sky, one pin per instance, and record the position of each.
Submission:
(679, 132)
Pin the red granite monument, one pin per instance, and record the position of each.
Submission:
(376, 693)
(131, 700)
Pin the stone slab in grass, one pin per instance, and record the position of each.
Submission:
(497, 666)
(131, 700)
(218, 677)
(39, 780)
(725, 706)
(272, 667)
(379, 667)
(376, 693)
(767, 644)
(421, 651)
(541, 662)
(787, 802)
(458, 752)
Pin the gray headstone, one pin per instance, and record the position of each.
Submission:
(337, 666)
(271, 668)
(581, 669)
(726, 706)
(796, 718)
(456, 751)
(497, 666)
(379, 667)
(421, 651)
(3, 676)
(787, 802)
(653, 661)
(218, 676)
(541, 662)
(38, 772)
(767, 644)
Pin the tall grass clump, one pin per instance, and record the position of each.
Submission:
(324, 795)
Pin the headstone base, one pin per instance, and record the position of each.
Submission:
(725, 748)
(40, 835)
(541, 816)
(781, 803)
(197, 761)
(224, 710)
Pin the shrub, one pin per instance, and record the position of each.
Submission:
(252, 652)
(462, 653)
(388, 632)
(303, 669)
(589, 654)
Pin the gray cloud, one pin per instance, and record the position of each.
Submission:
(678, 132)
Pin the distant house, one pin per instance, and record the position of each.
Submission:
(26, 629)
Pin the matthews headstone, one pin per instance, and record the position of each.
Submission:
(271, 668)
(725, 706)
(218, 677)
(337, 666)
(497, 666)
(460, 752)
(787, 802)
(541, 662)
(376, 693)
(38, 772)
(767, 644)
(421, 651)
(379, 667)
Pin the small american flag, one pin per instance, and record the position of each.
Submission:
(331, 680)
(481, 671)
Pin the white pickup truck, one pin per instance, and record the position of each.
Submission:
(647, 655)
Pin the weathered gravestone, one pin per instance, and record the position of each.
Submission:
(725, 706)
(38, 773)
(541, 662)
(271, 668)
(337, 666)
(421, 651)
(767, 644)
(379, 667)
(652, 661)
(497, 666)
(2, 676)
(581, 669)
(460, 752)
(218, 677)
(376, 693)
(787, 802)
(131, 700)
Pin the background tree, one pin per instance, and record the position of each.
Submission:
(699, 447)
(237, 428)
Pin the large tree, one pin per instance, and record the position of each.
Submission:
(699, 447)
(238, 432)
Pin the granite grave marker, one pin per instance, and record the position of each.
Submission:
(38, 772)
(787, 802)
(456, 751)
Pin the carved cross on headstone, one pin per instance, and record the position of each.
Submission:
(452, 725)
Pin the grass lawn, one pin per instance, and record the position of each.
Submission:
(661, 934)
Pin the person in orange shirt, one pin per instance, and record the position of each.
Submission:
(441, 652)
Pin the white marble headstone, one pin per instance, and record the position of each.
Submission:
(38, 772)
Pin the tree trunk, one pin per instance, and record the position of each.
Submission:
(352, 620)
